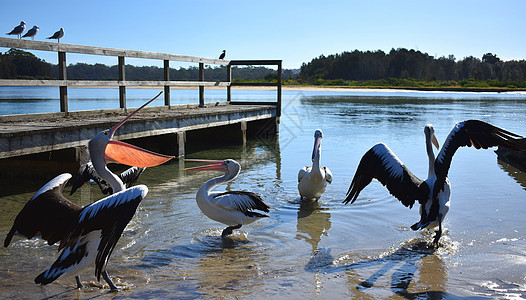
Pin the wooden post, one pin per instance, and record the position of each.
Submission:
(244, 131)
(63, 76)
(122, 87)
(181, 139)
(229, 79)
(278, 108)
(166, 78)
(201, 88)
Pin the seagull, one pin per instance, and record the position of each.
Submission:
(312, 181)
(18, 29)
(31, 32)
(87, 235)
(57, 35)
(232, 208)
(222, 55)
(434, 193)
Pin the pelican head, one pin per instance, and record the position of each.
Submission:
(429, 131)
(103, 149)
(22, 23)
(318, 134)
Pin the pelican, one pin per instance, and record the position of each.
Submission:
(222, 55)
(232, 208)
(312, 181)
(31, 32)
(57, 35)
(433, 194)
(87, 172)
(87, 235)
(18, 29)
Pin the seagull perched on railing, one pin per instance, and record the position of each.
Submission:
(31, 32)
(57, 35)
(18, 29)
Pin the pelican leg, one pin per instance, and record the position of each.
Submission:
(79, 283)
(106, 277)
(439, 232)
(229, 229)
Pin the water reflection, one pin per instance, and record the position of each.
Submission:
(516, 174)
(313, 223)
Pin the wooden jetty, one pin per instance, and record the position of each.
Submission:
(63, 136)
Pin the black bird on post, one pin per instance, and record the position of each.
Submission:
(222, 56)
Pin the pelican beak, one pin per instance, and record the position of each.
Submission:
(216, 165)
(114, 128)
(123, 153)
(317, 143)
(435, 141)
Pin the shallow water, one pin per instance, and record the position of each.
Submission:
(322, 249)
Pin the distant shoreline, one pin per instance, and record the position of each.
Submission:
(328, 88)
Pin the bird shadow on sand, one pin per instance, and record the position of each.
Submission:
(405, 261)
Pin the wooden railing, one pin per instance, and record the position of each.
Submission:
(63, 83)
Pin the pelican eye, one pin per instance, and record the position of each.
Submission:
(105, 133)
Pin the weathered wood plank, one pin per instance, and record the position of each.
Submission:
(106, 83)
(70, 48)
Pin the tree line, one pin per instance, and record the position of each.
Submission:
(399, 67)
(412, 65)
(19, 64)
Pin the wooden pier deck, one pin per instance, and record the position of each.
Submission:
(49, 132)
(63, 136)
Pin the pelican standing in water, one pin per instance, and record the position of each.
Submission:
(232, 208)
(433, 194)
(87, 235)
(312, 181)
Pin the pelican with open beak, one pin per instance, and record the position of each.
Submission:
(232, 208)
(87, 235)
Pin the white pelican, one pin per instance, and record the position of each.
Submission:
(18, 29)
(433, 194)
(232, 208)
(57, 35)
(87, 172)
(31, 32)
(312, 181)
(87, 235)
(222, 55)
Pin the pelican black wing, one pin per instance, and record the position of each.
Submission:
(469, 133)
(110, 215)
(242, 201)
(48, 213)
(381, 163)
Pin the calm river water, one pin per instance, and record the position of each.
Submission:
(306, 250)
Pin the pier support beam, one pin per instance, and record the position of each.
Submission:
(62, 76)
(122, 88)
(244, 131)
(167, 78)
(181, 139)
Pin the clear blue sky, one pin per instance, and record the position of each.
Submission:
(294, 31)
